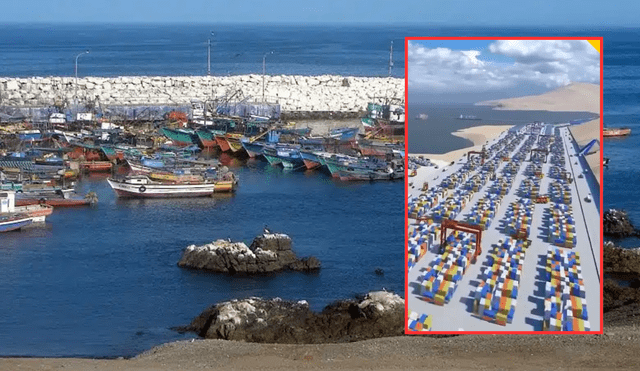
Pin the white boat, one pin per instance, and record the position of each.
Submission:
(140, 186)
(57, 118)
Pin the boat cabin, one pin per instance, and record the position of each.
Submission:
(7, 202)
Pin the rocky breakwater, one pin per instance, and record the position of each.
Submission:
(621, 291)
(616, 223)
(377, 314)
(270, 252)
(294, 93)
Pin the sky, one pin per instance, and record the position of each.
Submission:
(593, 13)
(470, 71)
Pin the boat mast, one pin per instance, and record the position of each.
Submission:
(390, 58)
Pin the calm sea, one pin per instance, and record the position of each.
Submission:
(103, 281)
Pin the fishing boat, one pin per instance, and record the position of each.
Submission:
(615, 132)
(468, 117)
(37, 213)
(96, 166)
(12, 222)
(179, 137)
(254, 149)
(310, 159)
(140, 186)
(344, 134)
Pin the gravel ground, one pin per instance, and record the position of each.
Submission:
(618, 347)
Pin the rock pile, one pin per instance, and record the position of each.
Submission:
(268, 253)
(621, 291)
(328, 93)
(616, 223)
(378, 314)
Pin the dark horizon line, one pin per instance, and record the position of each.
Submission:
(321, 23)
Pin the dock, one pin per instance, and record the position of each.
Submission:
(526, 210)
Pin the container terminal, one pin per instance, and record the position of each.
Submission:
(507, 238)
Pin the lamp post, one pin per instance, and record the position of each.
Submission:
(209, 55)
(264, 70)
(76, 84)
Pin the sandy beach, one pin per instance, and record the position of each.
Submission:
(479, 135)
(575, 97)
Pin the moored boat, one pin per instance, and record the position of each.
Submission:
(616, 132)
(96, 166)
(12, 222)
(140, 186)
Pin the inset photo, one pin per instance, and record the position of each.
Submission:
(504, 185)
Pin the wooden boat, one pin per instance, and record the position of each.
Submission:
(54, 202)
(12, 222)
(96, 166)
(37, 213)
(222, 142)
(254, 149)
(310, 159)
(179, 137)
(233, 139)
(140, 186)
(615, 132)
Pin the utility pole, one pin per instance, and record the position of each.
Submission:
(209, 55)
(264, 70)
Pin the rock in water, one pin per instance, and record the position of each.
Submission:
(269, 252)
(378, 314)
(616, 223)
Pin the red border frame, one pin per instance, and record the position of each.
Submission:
(406, 192)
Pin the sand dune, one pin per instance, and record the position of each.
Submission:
(575, 97)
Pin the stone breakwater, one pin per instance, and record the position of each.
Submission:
(378, 314)
(293, 93)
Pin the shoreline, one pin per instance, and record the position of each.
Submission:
(479, 135)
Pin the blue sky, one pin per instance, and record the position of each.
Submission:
(593, 13)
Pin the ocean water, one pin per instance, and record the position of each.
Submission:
(103, 281)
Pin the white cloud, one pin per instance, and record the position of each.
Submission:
(536, 63)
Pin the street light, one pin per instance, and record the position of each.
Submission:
(209, 55)
(264, 69)
(76, 89)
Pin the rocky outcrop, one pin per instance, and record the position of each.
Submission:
(325, 93)
(619, 260)
(378, 314)
(616, 223)
(268, 253)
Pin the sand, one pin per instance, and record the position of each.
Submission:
(619, 347)
(575, 97)
(479, 135)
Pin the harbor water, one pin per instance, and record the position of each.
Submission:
(103, 281)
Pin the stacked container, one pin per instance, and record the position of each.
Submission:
(562, 229)
(440, 281)
(519, 217)
(496, 296)
(565, 302)
(419, 322)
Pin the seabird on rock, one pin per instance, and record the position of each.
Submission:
(266, 230)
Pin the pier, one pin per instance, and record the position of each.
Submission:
(538, 211)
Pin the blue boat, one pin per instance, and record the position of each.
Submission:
(14, 222)
(254, 149)
(344, 134)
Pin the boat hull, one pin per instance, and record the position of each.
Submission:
(96, 166)
(222, 142)
(126, 190)
(53, 202)
(616, 132)
(12, 224)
